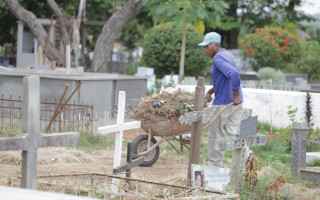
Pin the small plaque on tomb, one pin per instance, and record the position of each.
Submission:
(248, 127)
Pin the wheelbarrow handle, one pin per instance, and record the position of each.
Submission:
(217, 115)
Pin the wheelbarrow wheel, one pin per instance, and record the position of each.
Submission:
(140, 145)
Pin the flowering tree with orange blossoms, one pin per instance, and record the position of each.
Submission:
(271, 47)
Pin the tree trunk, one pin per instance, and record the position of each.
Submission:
(37, 29)
(111, 30)
(76, 33)
(61, 27)
(233, 38)
(183, 52)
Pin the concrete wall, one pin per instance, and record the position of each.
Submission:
(98, 90)
(272, 105)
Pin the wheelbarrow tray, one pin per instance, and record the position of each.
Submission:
(170, 127)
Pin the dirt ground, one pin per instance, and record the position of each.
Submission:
(61, 160)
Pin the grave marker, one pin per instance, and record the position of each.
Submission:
(31, 139)
(298, 155)
(299, 148)
(248, 137)
(196, 126)
(119, 128)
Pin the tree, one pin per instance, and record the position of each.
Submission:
(109, 32)
(250, 14)
(185, 12)
(309, 61)
(161, 50)
(37, 29)
(274, 47)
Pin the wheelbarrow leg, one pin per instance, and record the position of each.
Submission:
(181, 145)
(149, 137)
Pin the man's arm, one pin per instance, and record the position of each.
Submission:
(209, 93)
(236, 97)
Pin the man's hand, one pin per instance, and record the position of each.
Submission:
(236, 97)
(208, 94)
(236, 100)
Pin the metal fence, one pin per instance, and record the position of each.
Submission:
(101, 186)
(72, 117)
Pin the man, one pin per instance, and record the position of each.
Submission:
(227, 89)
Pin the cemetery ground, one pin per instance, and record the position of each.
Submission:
(94, 154)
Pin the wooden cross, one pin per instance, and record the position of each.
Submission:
(119, 128)
(195, 118)
(248, 137)
(31, 139)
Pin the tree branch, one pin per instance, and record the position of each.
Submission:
(61, 28)
(37, 29)
(111, 30)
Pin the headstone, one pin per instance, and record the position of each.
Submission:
(149, 73)
(189, 80)
(31, 139)
(247, 138)
(170, 81)
(298, 153)
(26, 47)
(210, 177)
(299, 148)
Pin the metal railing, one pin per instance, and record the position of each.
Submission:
(73, 117)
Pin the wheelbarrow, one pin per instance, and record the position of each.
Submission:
(146, 145)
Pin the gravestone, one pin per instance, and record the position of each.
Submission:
(149, 73)
(248, 137)
(189, 80)
(119, 128)
(170, 80)
(26, 47)
(31, 139)
(299, 148)
(298, 155)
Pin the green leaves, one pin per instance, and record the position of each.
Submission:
(162, 47)
(183, 10)
(271, 46)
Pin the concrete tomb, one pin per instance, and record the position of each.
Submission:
(98, 90)
(31, 139)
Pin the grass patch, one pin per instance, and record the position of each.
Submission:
(10, 131)
(314, 163)
(88, 141)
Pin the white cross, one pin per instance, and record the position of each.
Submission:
(119, 128)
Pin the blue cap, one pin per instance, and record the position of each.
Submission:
(211, 37)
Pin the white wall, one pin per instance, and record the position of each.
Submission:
(261, 101)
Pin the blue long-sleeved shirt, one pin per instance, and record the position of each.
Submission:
(225, 77)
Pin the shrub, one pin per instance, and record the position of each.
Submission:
(309, 61)
(271, 46)
(162, 47)
(275, 75)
